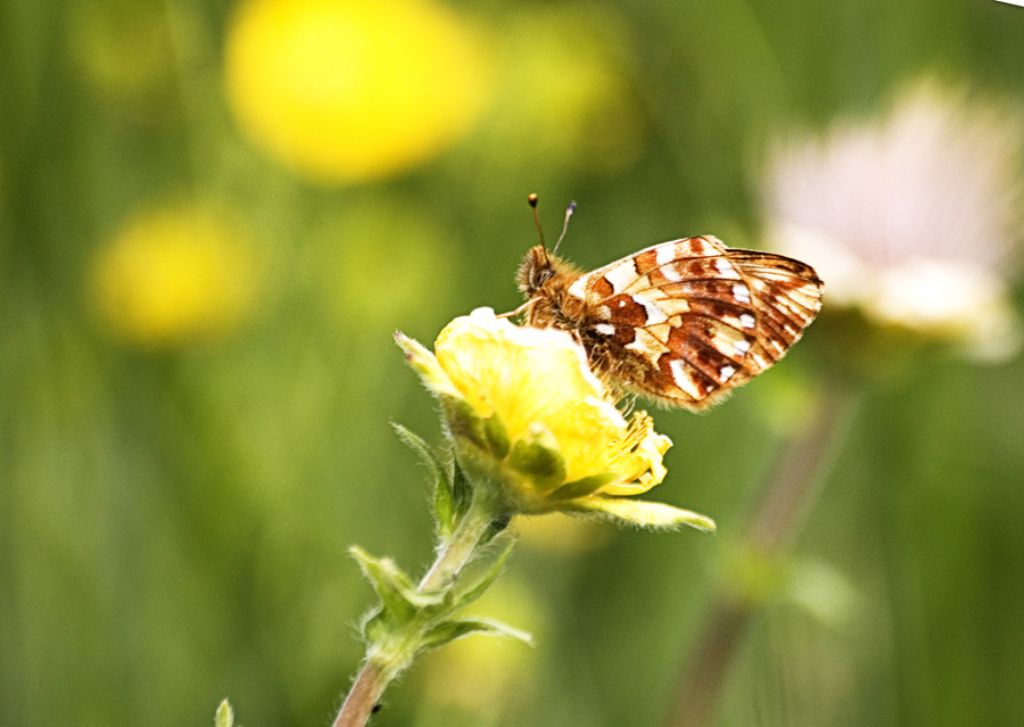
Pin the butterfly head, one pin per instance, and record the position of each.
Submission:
(537, 268)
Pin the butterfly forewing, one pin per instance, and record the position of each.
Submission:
(685, 321)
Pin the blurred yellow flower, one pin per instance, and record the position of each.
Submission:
(560, 534)
(353, 91)
(173, 274)
(565, 96)
(484, 675)
(527, 413)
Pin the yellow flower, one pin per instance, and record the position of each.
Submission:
(353, 91)
(171, 275)
(527, 414)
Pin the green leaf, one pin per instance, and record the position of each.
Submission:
(418, 445)
(399, 598)
(225, 716)
(448, 631)
(376, 627)
(655, 515)
(466, 596)
(444, 499)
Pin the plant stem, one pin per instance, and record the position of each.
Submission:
(785, 499)
(457, 551)
(362, 698)
(453, 555)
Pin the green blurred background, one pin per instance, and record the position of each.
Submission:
(192, 433)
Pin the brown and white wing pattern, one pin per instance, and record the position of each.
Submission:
(685, 321)
(787, 297)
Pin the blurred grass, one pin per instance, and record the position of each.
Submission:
(173, 521)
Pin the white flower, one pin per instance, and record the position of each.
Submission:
(912, 218)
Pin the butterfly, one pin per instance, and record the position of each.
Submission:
(683, 322)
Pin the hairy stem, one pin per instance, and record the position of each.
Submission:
(453, 555)
(775, 523)
(363, 697)
(456, 552)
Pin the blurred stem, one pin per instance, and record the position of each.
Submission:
(786, 498)
(454, 553)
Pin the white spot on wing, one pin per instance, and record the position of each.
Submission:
(671, 273)
(683, 380)
(666, 254)
(741, 292)
(747, 320)
(605, 329)
(654, 313)
(673, 306)
(647, 344)
(742, 346)
(726, 372)
(621, 276)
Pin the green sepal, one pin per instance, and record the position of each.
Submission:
(496, 528)
(444, 508)
(448, 631)
(655, 515)
(536, 456)
(462, 492)
(225, 716)
(497, 437)
(466, 596)
(443, 499)
(399, 599)
(583, 487)
(463, 423)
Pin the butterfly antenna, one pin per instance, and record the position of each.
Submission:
(565, 225)
(532, 199)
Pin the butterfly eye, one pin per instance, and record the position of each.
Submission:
(541, 276)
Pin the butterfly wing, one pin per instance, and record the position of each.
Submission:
(680, 322)
(787, 296)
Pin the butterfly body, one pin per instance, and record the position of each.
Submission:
(683, 322)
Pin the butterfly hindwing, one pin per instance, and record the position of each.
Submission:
(787, 297)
